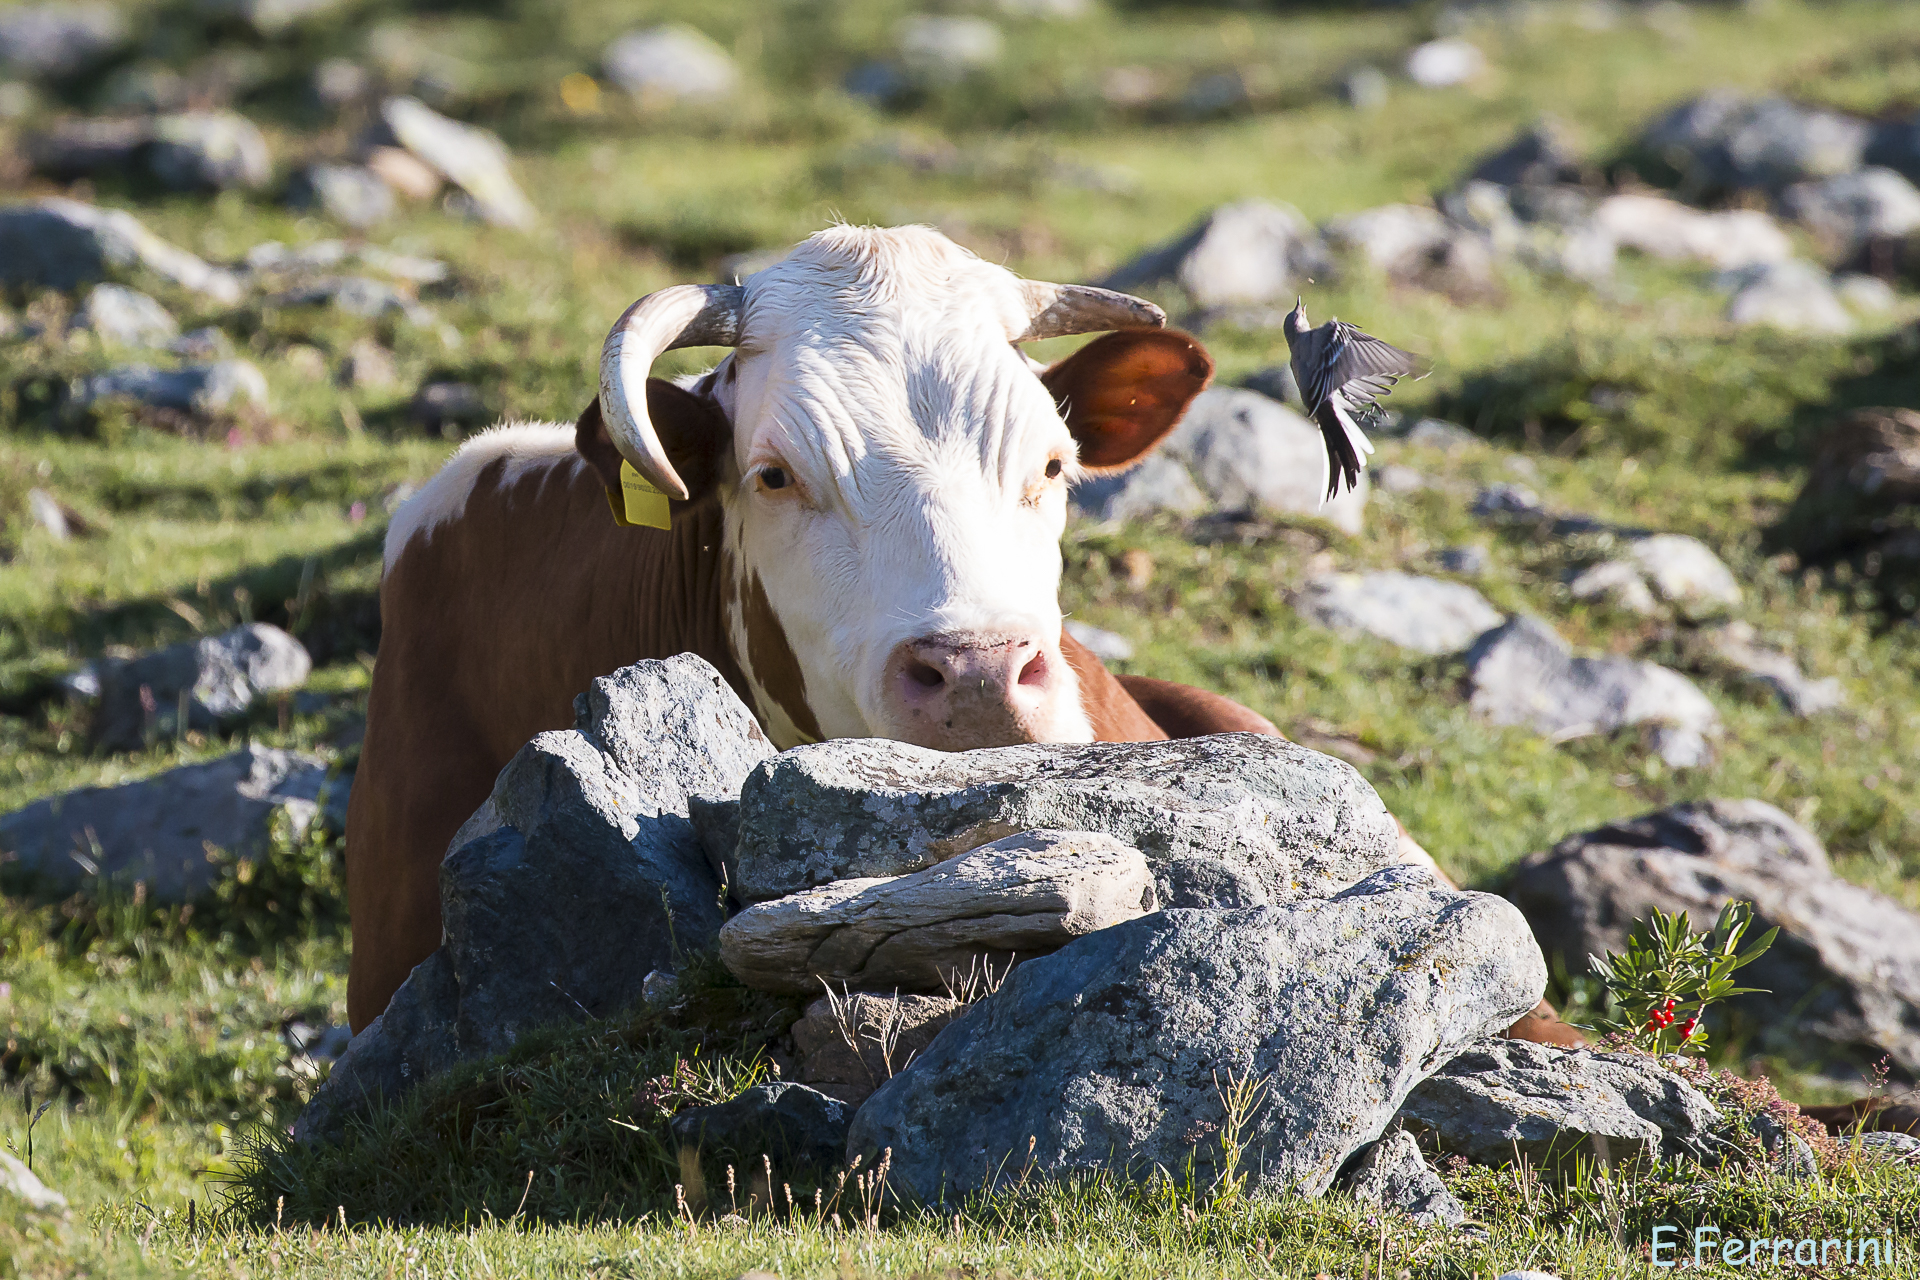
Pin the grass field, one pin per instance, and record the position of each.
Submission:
(156, 1033)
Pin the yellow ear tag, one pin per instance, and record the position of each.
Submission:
(643, 504)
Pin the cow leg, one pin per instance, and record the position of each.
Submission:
(398, 826)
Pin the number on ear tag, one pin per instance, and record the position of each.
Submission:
(638, 503)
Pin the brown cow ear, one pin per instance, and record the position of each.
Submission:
(1122, 393)
(696, 435)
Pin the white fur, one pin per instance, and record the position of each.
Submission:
(524, 445)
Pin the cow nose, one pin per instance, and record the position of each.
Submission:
(957, 693)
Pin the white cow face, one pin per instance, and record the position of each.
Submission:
(894, 488)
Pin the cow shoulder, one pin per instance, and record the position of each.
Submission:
(1122, 393)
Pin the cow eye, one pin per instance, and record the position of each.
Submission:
(774, 478)
(1053, 468)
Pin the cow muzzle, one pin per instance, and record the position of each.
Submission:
(956, 693)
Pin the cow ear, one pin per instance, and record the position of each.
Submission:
(1122, 393)
(696, 435)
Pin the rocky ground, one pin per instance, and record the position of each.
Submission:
(1623, 616)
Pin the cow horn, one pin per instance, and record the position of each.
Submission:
(683, 315)
(1061, 309)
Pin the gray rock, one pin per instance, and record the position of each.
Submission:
(368, 365)
(55, 40)
(1415, 244)
(579, 877)
(1726, 139)
(800, 1130)
(1663, 228)
(1843, 979)
(938, 49)
(1396, 479)
(64, 244)
(1522, 673)
(1427, 615)
(18, 1184)
(1247, 254)
(1365, 88)
(323, 259)
(1617, 583)
(209, 151)
(157, 831)
(853, 1042)
(1112, 1052)
(670, 64)
(1020, 896)
(1503, 501)
(1538, 155)
(197, 389)
(1294, 821)
(1509, 1099)
(1249, 453)
(1849, 211)
(348, 193)
(126, 317)
(1894, 1148)
(1392, 1174)
(1469, 561)
(1108, 646)
(1685, 573)
(1159, 483)
(1438, 433)
(214, 680)
(1275, 382)
(1865, 294)
(1792, 295)
(471, 158)
(1734, 644)
(204, 343)
(449, 404)
(1441, 64)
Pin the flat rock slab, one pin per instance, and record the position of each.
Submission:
(1842, 980)
(161, 831)
(1111, 1053)
(1022, 896)
(579, 876)
(1272, 819)
(1508, 1099)
(1427, 615)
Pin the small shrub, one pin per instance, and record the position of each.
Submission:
(1668, 971)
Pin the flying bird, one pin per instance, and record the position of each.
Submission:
(1342, 373)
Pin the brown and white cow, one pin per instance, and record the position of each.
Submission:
(868, 496)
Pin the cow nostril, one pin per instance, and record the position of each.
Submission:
(1035, 670)
(924, 674)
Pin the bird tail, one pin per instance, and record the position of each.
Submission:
(1347, 445)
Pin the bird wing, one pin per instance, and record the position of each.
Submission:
(1339, 355)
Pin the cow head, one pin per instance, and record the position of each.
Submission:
(893, 474)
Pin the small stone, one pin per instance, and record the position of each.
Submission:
(471, 158)
(797, 1128)
(670, 64)
(197, 389)
(205, 343)
(126, 317)
(47, 512)
(1413, 243)
(1440, 64)
(54, 40)
(1438, 433)
(1469, 561)
(1394, 478)
(658, 986)
(438, 405)
(1393, 1175)
(307, 361)
(1249, 453)
(355, 296)
(1426, 615)
(1503, 501)
(1024, 895)
(1617, 583)
(216, 678)
(157, 831)
(1793, 295)
(1685, 573)
(18, 1183)
(1108, 646)
(853, 1042)
(1247, 254)
(209, 151)
(1850, 210)
(1157, 484)
(943, 50)
(368, 366)
(348, 193)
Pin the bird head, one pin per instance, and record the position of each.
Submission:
(1296, 322)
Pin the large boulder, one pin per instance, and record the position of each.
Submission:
(1522, 673)
(160, 831)
(63, 244)
(1508, 1100)
(1117, 1051)
(1842, 982)
(212, 682)
(1253, 253)
(579, 876)
(1726, 139)
(62, 39)
(1022, 896)
(1252, 453)
(1861, 502)
(1257, 818)
(1426, 615)
(1667, 229)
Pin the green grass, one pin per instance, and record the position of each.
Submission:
(157, 1031)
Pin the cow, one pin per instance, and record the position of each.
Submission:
(864, 501)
